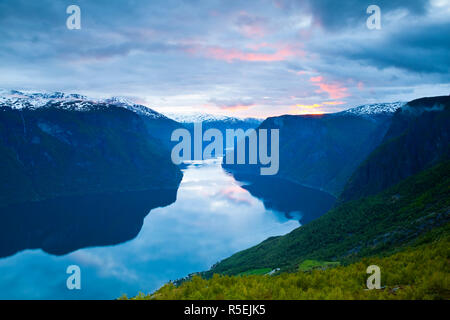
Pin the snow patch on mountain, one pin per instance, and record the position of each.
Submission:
(30, 100)
(375, 108)
(132, 106)
(205, 117)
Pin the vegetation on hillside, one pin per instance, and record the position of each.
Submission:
(421, 271)
(361, 228)
(375, 225)
(309, 265)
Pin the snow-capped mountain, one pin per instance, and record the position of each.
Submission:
(32, 100)
(376, 108)
(20, 99)
(48, 152)
(205, 117)
(132, 106)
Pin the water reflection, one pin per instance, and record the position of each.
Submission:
(294, 200)
(213, 217)
(63, 225)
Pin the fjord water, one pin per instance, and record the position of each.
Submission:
(126, 243)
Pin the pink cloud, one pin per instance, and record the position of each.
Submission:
(316, 79)
(255, 52)
(231, 55)
(237, 107)
(334, 90)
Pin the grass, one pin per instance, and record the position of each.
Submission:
(255, 272)
(376, 225)
(309, 265)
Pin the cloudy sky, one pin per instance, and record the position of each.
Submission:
(243, 58)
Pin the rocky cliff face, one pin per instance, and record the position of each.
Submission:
(418, 137)
(322, 151)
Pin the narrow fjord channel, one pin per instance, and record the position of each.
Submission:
(213, 217)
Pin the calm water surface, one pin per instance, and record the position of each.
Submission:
(126, 249)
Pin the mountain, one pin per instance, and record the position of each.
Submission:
(418, 138)
(158, 125)
(222, 123)
(205, 117)
(55, 145)
(400, 191)
(219, 122)
(401, 226)
(375, 108)
(322, 151)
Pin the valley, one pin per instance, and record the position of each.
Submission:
(92, 181)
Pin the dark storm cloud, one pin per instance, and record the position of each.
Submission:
(425, 50)
(422, 49)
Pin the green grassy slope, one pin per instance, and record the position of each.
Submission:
(418, 272)
(356, 229)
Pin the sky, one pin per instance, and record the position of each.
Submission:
(246, 58)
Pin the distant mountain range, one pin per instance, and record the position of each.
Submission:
(317, 151)
(219, 122)
(75, 102)
(205, 117)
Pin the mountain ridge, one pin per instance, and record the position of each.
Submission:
(33, 100)
(322, 151)
(384, 217)
(56, 148)
(417, 138)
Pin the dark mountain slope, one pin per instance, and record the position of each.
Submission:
(373, 225)
(418, 137)
(79, 147)
(322, 151)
